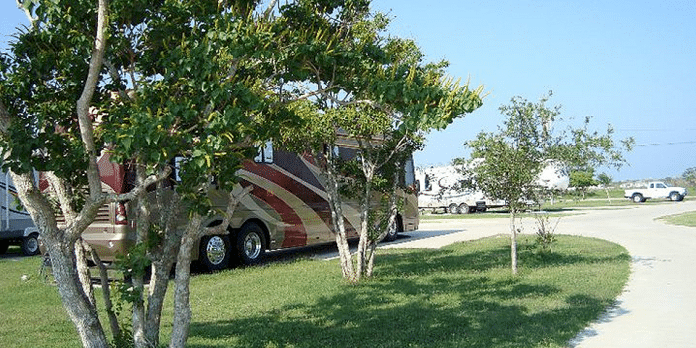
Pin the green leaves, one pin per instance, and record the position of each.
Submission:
(528, 139)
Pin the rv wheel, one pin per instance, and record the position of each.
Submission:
(464, 209)
(215, 252)
(3, 247)
(394, 230)
(30, 244)
(453, 209)
(251, 244)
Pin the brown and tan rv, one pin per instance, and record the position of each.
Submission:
(287, 207)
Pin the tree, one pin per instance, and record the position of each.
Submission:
(605, 180)
(385, 98)
(514, 156)
(142, 82)
(582, 179)
(689, 176)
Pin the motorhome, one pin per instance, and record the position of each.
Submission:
(16, 226)
(287, 207)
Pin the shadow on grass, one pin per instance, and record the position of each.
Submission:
(443, 298)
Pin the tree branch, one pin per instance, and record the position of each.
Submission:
(83, 103)
(32, 19)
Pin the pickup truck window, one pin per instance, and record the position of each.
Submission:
(660, 186)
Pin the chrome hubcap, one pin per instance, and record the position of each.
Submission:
(252, 245)
(215, 250)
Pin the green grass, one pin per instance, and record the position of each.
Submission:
(685, 219)
(460, 296)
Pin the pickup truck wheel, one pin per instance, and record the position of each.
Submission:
(675, 197)
(637, 198)
(30, 244)
(453, 209)
(214, 254)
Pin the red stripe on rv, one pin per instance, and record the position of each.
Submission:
(309, 197)
(294, 231)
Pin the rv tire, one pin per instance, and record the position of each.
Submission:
(464, 209)
(30, 244)
(394, 230)
(251, 244)
(214, 253)
(3, 247)
(453, 209)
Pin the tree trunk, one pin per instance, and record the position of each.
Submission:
(83, 271)
(513, 241)
(82, 313)
(192, 234)
(182, 306)
(371, 259)
(368, 171)
(335, 204)
(61, 248)
(373, 243)
(106, 292)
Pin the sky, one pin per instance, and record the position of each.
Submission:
(630, 64)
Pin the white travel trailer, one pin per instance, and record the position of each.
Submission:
(16, 226)
(437, 188)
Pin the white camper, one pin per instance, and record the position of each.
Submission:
(16, 226)
(554, 176)
(437, 187)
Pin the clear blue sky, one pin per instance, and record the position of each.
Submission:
(628, 63)
(631, 64)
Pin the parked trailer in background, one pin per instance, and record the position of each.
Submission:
(16, 226)
(438, 187)
(438, 190)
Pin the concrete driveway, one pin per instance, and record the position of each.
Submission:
(658, 305)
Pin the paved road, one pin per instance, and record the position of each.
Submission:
(658, 306)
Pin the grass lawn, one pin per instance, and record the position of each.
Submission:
(685, 219)
(460, 296)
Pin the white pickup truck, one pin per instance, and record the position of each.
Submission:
(656, 189)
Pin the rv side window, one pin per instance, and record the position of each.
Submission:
(428, 186)
(409, 173)
(265, 154)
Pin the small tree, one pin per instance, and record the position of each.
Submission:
(513, 157)
(690, 176)
(383, 100)
(582, 179)
(605, 180)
